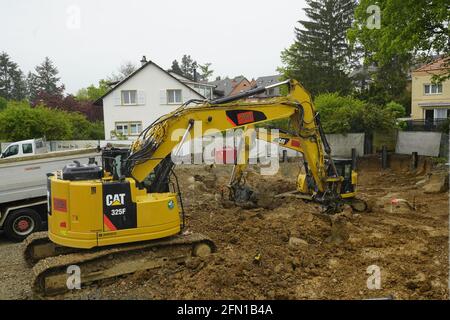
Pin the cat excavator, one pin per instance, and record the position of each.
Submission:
(127, 214)
(306, 189)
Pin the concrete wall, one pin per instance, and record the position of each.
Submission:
(341, 145)
(422, 142)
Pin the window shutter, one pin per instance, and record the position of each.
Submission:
(141, 97)
(162, 97)
(117, 98)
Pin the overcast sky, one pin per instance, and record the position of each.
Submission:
(88, 40)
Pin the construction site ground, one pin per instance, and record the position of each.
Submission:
(284, 248)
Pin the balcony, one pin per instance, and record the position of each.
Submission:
(427, 125)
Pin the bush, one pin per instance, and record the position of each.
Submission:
(340, 114)
(19, 121)
(444, 126)
(345, 114)
(396, 108)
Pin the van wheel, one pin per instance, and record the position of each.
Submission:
(21, 223)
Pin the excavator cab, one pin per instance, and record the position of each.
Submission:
(345, 170)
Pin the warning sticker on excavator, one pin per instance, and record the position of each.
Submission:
(241, 117)
(245, 117)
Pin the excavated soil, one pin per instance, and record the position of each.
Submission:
(287, 249)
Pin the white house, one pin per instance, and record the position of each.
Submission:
(204, 88)
(138, 100)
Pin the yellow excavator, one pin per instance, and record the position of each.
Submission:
(306, 189)
(127, 214)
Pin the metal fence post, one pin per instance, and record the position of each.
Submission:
(414, 160)
(384, 157)
(353, 158)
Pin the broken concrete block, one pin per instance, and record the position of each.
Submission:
(339, 232)
(297, 242)
(437, 183)
(393, 203)
(421, 182)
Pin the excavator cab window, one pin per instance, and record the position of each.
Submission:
(344, 169)
(112, 159)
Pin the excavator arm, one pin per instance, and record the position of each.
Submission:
(206, 117)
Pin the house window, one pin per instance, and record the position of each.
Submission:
(129, 97)
(433, 88)
(440, 113)
(135, 128)
(173, 96)
(129, 128)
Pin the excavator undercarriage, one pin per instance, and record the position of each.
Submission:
(50, 262)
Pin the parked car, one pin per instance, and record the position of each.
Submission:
(25, 148)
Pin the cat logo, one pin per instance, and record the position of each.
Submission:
(117, 199)
(282, 141)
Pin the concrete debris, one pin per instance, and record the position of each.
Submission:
(295, 242)
(437, 183)
(339, 231)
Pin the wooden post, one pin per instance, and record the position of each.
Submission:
(414, 160)
(384, 157)
(285, 158)
(353, 158)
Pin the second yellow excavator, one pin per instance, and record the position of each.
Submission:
(127, 214)
(306, 189)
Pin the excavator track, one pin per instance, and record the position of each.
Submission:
(38, 246)
(51, 273)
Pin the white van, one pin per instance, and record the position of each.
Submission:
(25, 148)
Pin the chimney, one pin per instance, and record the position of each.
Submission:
(195, 75)
(143, 60)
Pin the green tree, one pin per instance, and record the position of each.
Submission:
(12, 82)
(344, 114)
(188, 67)
(408, 28)
(176, 68)
(45, 80)
(124, 70)
(92, 93)
(321, 55)
(389, 83)
(205, 71)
